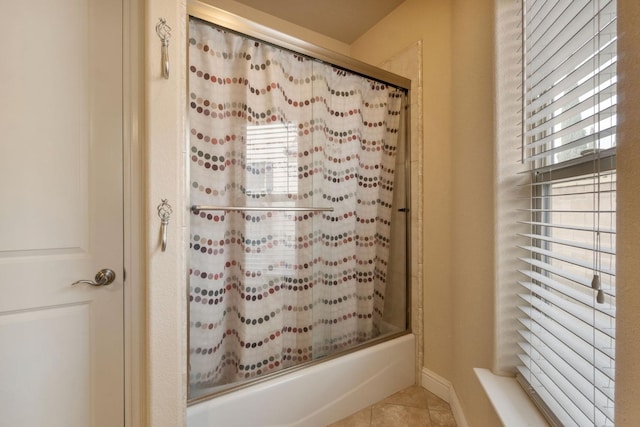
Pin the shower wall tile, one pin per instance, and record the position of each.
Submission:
(408, 63)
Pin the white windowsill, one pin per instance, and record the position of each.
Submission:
(510, 401)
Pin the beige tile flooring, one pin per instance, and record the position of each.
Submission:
(411, 407)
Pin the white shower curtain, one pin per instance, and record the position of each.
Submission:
(273, 129)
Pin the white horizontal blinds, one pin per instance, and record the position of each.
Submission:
(568, 282)
(271, 171)
(568, 332)
(271, 159)
(570, 79)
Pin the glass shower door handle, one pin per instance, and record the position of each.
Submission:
(104, 277)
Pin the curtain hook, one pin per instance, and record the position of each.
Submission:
(164, 212)
(164, 32)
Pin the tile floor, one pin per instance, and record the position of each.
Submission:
(411, 407)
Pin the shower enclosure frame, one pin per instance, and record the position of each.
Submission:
(246, 27)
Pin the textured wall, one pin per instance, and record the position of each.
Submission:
(628, 226)
(281, 25)
(165, 103)
(472, 235)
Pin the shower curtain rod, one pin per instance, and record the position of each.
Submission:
(261, 208)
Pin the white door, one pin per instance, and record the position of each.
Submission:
(61, 346)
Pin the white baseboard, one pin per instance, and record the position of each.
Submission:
(456, 408)
(443, 388)
(437, 385)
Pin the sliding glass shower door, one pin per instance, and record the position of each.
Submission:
(296, 209)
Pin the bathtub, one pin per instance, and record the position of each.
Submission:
(317, 395)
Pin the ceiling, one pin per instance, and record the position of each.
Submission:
(343, 20)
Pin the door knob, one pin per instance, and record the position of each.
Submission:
(104, 277)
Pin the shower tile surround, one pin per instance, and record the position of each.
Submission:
(410, 407)
(408, 63)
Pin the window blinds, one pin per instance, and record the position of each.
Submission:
(568, 282)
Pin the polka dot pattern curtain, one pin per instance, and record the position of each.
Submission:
(272, 129)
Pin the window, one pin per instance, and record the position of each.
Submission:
(271, 175)
(272, 160)
(568, 291)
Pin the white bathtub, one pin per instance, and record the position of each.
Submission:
(317, 395)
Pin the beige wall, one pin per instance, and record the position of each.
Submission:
(281, 25)
(429, 21)
(164, 130)
(458, 183)
(472, 234)
(628, 226)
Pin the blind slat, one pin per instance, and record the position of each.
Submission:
(560, 391)
(575, 180)
(580, 280)
(568, 93)
(559, 329)
(583, 295)
(538, 12)
(568, 211)
(571, 141)
(567, 259)
(584, 36)
(572, 384)
(579, 373)
(571, 73)
(554, 306)
(598, 343)
(547, 330)
(573, 244)
(593, 95)
(570, 227)
(583, 30)
(557, 402)
(571, 29)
